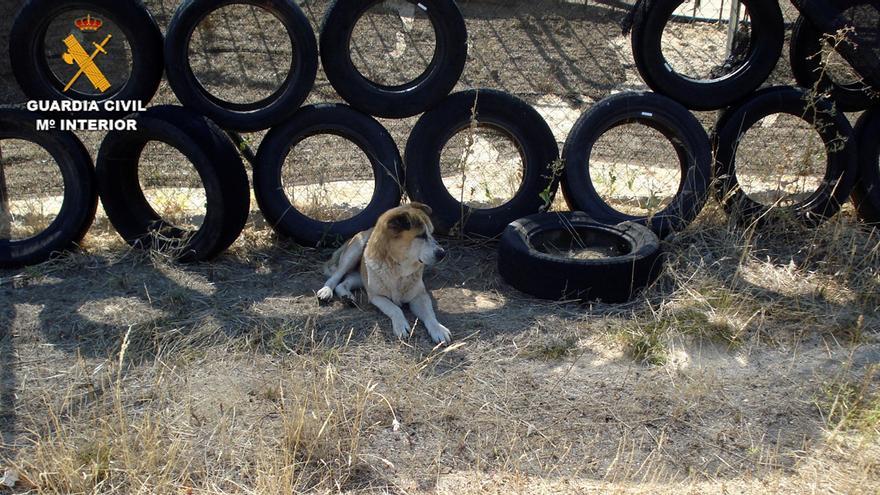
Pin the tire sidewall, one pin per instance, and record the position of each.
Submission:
(866, 193)
(265, 113)
(765, 50)
(343, 121)
(142, 33)
(613, 280)
(80, 191)
(502, 112)
(807, 67)
(676, 123)
(220, 171)
(413, 97)
(840, 166)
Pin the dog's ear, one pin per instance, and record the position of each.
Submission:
(421, 206)
(400, 222)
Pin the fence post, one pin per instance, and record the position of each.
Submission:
(732, 25)
(5, 214)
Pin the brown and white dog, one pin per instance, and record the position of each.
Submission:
(388, 260)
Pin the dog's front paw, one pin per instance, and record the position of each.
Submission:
(440, 334)
(401, 328)
(325, 294)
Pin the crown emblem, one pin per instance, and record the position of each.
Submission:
(88, 23)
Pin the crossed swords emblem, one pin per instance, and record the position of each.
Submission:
(76, 54)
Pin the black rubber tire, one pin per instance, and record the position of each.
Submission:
(413, 97)
(348, 123)
(866, 193)
(254, 116)
(676, 123)
(807, 66)
(80, 191)
(209, 151)
(26, 44)
(614, 279)
(862, 46)
(499, 111)
(765, 47)
(832, 126)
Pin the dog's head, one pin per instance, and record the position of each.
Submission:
(410, 234)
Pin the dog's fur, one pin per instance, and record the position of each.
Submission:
(388, 261)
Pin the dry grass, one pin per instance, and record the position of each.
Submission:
(748, 365)
(106, 435)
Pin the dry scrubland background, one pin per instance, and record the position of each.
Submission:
(749, 367)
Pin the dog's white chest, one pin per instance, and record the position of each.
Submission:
(382, 281)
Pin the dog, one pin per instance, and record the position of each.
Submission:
(388, 261)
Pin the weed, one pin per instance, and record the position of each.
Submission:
(848, 404)
(553, 349)
(694, 322)
(645, 341)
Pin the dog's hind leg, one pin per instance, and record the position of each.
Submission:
(351, 282)
(348, 262)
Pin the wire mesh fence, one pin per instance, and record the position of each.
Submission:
(31, 189)
(794, 169)
(560, 56)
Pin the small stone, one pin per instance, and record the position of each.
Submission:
(9, 479)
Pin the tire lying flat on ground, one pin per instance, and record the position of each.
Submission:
(866, 194)
(262, 114)
(404, 100)
(809, 69)
(571, 256)
(762, 53)
(80, 191)
(498, 111)
(834, 130)
(345, 122)
(215, 158)
(27, 45)
(676, 123)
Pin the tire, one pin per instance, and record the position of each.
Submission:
(80, 191)
(860, 46)
(496, 110)
(676, 123)
(764, 49)
(413, 97)
(809, 71)
(866, 194)
(209, 151)
(131, 16)
(832, 127)
(343, 121)
(254, 116)
(525, 263)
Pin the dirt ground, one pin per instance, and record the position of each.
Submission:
(751, 366)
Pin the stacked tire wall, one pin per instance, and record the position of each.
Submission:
(559, 57)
